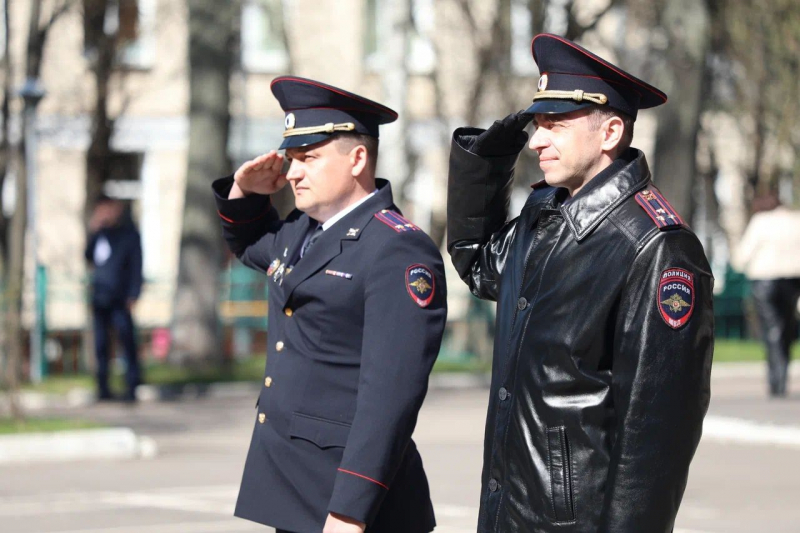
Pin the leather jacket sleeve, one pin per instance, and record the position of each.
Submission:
(249, 225)
(660, 388)
(478, 196)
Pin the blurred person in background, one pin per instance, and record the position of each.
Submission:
(605, 326)
(769, 255)
(357, 308)
(114, 251)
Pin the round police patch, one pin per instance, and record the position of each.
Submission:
(676, 296)
(289, 121)
(420, 284)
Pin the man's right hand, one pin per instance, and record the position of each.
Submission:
(504, 137)
(261, 175)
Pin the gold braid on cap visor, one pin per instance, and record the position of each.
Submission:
(577, 95)
(330, 127)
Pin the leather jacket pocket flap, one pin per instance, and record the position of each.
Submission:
(559, 460)
(320, 431)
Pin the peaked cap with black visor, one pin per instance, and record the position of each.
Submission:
(315, 111)
(573, 78)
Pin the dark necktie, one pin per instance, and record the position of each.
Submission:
(314, 236)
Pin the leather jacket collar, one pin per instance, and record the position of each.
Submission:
(603, 194)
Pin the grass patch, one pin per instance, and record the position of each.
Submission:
(251, 369)
(9, 426)
(726, 351)
(473, 365)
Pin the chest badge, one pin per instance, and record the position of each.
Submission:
(420, 284)
(676, 297)
(277, 277)
(352, 232)
(273, 267)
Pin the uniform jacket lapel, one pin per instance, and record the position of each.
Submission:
(331, 242)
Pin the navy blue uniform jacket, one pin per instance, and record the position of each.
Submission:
(354, 329)
(119, 278)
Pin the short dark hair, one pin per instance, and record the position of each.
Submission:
(600, 114)
(354, 139)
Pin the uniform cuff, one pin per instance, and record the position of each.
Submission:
(241, 210)
(357, 496)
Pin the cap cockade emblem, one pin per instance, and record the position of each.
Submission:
(542, 85)
(289, 121)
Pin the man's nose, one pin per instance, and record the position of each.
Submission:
(295, 171)
(538, 140)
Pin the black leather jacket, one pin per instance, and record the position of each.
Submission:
(597, 402)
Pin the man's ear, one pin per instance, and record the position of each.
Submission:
(613, 129)
(358, 160)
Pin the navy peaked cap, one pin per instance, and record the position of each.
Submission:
(573, 78)
(315, 111)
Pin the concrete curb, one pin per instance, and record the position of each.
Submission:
(76, 445)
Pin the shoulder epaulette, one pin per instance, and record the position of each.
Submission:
(539, 185)
(395, 221)
(659, 209)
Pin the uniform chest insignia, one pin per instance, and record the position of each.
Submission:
(659, 209)
(285, 252)
(420, 284)
(273, 267)
(676, 296)
(277, 277)
(352, 232)
(345, 275)
(395, 221)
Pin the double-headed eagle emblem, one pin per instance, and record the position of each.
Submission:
(421, 285)
(675, 303)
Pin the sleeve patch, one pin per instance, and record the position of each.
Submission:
(395, 221)
(420, 284)
(676, 297)
(659, 209)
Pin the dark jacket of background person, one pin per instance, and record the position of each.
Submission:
(596, 402)
(769, 255)
(350, 351)
(118, 279)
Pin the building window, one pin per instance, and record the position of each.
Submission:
(421, 57)
(264, 36)
(131, 22)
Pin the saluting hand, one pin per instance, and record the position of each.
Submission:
(261, 175)
(337, 523)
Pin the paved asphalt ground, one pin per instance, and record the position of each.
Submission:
(745, 476)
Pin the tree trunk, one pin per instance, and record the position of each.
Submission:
(98, 156)
(395, 156)
(674, 162)
(196, 336)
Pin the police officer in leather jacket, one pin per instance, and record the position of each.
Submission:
(604, 339)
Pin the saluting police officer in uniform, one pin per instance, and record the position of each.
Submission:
(604, 336)
(357, 303)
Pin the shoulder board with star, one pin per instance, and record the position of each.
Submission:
(395, 221)
(659, 209)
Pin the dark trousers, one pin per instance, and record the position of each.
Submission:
(776, 304)
(119, 318)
